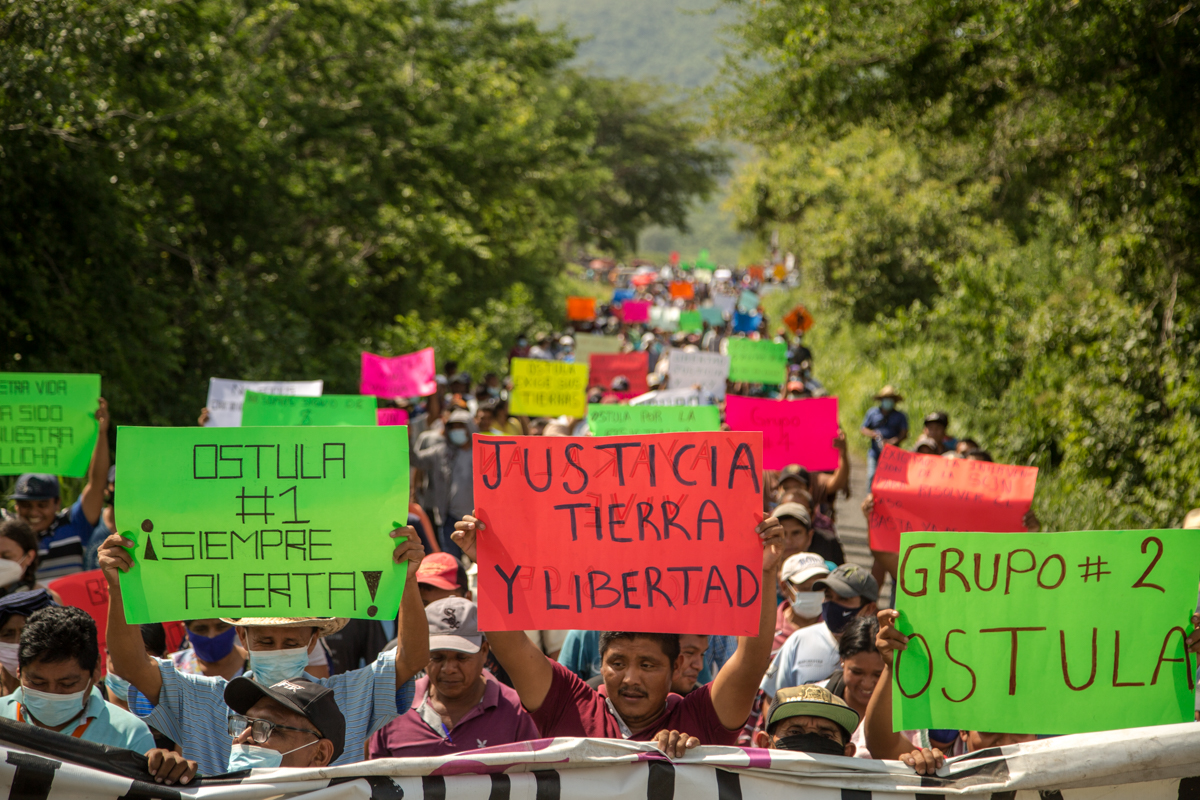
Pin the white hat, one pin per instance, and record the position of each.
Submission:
(800, 567)
(566, 341)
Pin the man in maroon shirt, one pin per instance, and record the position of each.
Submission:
(635, 701)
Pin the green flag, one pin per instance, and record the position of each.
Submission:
(262, 410)
(47, 422)
(1045, 632)
(262, 522)
(616, 420)
(757, 361)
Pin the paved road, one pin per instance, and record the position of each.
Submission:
(852, 525)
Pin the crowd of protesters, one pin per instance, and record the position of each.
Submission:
(211, 696)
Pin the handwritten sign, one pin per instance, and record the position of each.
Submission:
(709, 371)
(633, 367)
(725, 303)
(664, 318)
(87, 591)
(1045, 632)
(410, 375)
(747, 302)
(794, 431)
(225, 397)
(391, 416)
(47, 422)
(915, 492)
(746, 323)
(757, 362)
(262, 522)
(674, 397)
(586, 344)
(712, 315)
(329, 409)
(635, 311)
(617, 420)
(581, 309)
(682, 290)
(548, 388)
(691, 322)
(631, 533)
(621, 295)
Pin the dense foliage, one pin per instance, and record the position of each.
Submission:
(998, 200)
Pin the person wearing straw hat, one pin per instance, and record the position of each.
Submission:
(191, 709)
(884, 424)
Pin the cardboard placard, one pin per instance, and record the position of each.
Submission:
(586, 344)
(682, 290)
(916, 492)
(225, 397)
(409, 375)
(621, 295)
(709, 371)
(391, 416)
(757, 361)
(1045, 632)
(747, 302)
(725, 303)
(87, 591)
(548, 388)
(665, 318)
(794, 431)
(264, 410)
(262, 522)
(632, 366)
(635, 311)
(674, 397)
(48, 422)
(712, 315)
(571, 542)
(746, 323)
(691, 322)
(618, 420)
(581, 309)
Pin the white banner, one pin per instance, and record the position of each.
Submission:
(674, 397)
(1161, 762)
(225, 397)
(708, 370)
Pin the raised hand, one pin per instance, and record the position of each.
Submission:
(889, 640)
(410, 550)
(770, 533)
(466, 532)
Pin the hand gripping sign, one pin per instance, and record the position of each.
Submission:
(649, 533)
(262, 522)
(1045, 632)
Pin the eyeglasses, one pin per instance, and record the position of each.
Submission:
(260, 729)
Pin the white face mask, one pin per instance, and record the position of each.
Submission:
(10, 571)
(808, 604)
(8, 656)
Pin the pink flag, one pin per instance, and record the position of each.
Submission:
(636, 311)
(403, 376)
(391, 416)
(794, 431)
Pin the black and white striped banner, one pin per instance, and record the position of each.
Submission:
(1146, 763)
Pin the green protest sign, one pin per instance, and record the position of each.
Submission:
(47, 422)
(690, 321)
(757, 361)
(259, 410)
(262, 522)
(615, 420)
(1045, 632)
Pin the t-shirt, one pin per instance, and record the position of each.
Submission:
(809, 655)
(889, 426)
(61, 546)
(498, 718)
(572, 708)
(105, 723)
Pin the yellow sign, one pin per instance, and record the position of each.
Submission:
(548, 388)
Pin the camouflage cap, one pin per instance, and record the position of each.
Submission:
(810, 700)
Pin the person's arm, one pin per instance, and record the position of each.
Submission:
(736, 684)
(882, 741)
(528, 667)
(129, 657)
(899, 440)
(840, 479)
(412, 649)
(92, 500)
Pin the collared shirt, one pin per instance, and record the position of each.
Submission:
(61, 546)
(191, 709)
(809, 655)
(101, 722)
(889, 425)
(498, 718)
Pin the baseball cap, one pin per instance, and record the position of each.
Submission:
(800, 567)
(440, 570)
(795, 511)
(850, 580)
(453, 625)
(35, 486)
(794, 472)
(938, 416)
(311, 700)
(460, 416)
(810, 700)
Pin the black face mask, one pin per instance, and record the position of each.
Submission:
(810, 743)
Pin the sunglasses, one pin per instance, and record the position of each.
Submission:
(260, 729)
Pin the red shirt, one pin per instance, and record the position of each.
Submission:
(572, 708)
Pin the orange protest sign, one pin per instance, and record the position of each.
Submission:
(917, 492)
(581, 309)
(682, 290)
(631, 533)
(798, 320)
(756, 272)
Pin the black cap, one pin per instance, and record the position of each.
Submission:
(35, 486)
(311, 700)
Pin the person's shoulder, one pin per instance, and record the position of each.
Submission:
(8, 706)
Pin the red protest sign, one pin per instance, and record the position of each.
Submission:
(604, 367)
(794, 431)
(917, 492)
(89, 591)
(647, 533)
(682, 290)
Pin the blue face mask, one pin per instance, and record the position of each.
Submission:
(252, 756)
(457, 436)
(53, 710)
(887, 404)
(272, 666)
(212, 649)
(118, 686)
(837, 616)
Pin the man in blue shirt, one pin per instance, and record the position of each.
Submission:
(63, 534)
(59, 667)
(884, 424)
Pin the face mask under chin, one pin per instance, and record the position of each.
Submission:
(810, 743)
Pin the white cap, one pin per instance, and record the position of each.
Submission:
(800, 567)
(566, 340)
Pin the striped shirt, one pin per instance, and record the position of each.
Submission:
(61, 546)
(191, 710)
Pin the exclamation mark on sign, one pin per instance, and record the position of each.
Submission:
(149, 555)
(372, 579)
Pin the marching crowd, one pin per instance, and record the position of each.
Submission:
(211, 696)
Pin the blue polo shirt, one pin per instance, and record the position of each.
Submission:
(889, 426)
(106, 723)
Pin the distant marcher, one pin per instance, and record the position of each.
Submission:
(884, 424)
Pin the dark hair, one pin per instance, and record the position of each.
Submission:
(669, 642)
(154, 637)
(978, 455)
(19, 531)
(974, 444)
(859, 637)
(59, 633)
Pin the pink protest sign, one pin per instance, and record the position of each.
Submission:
(403, 376)
(391, 416)
(794, 431)
(634, 311)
